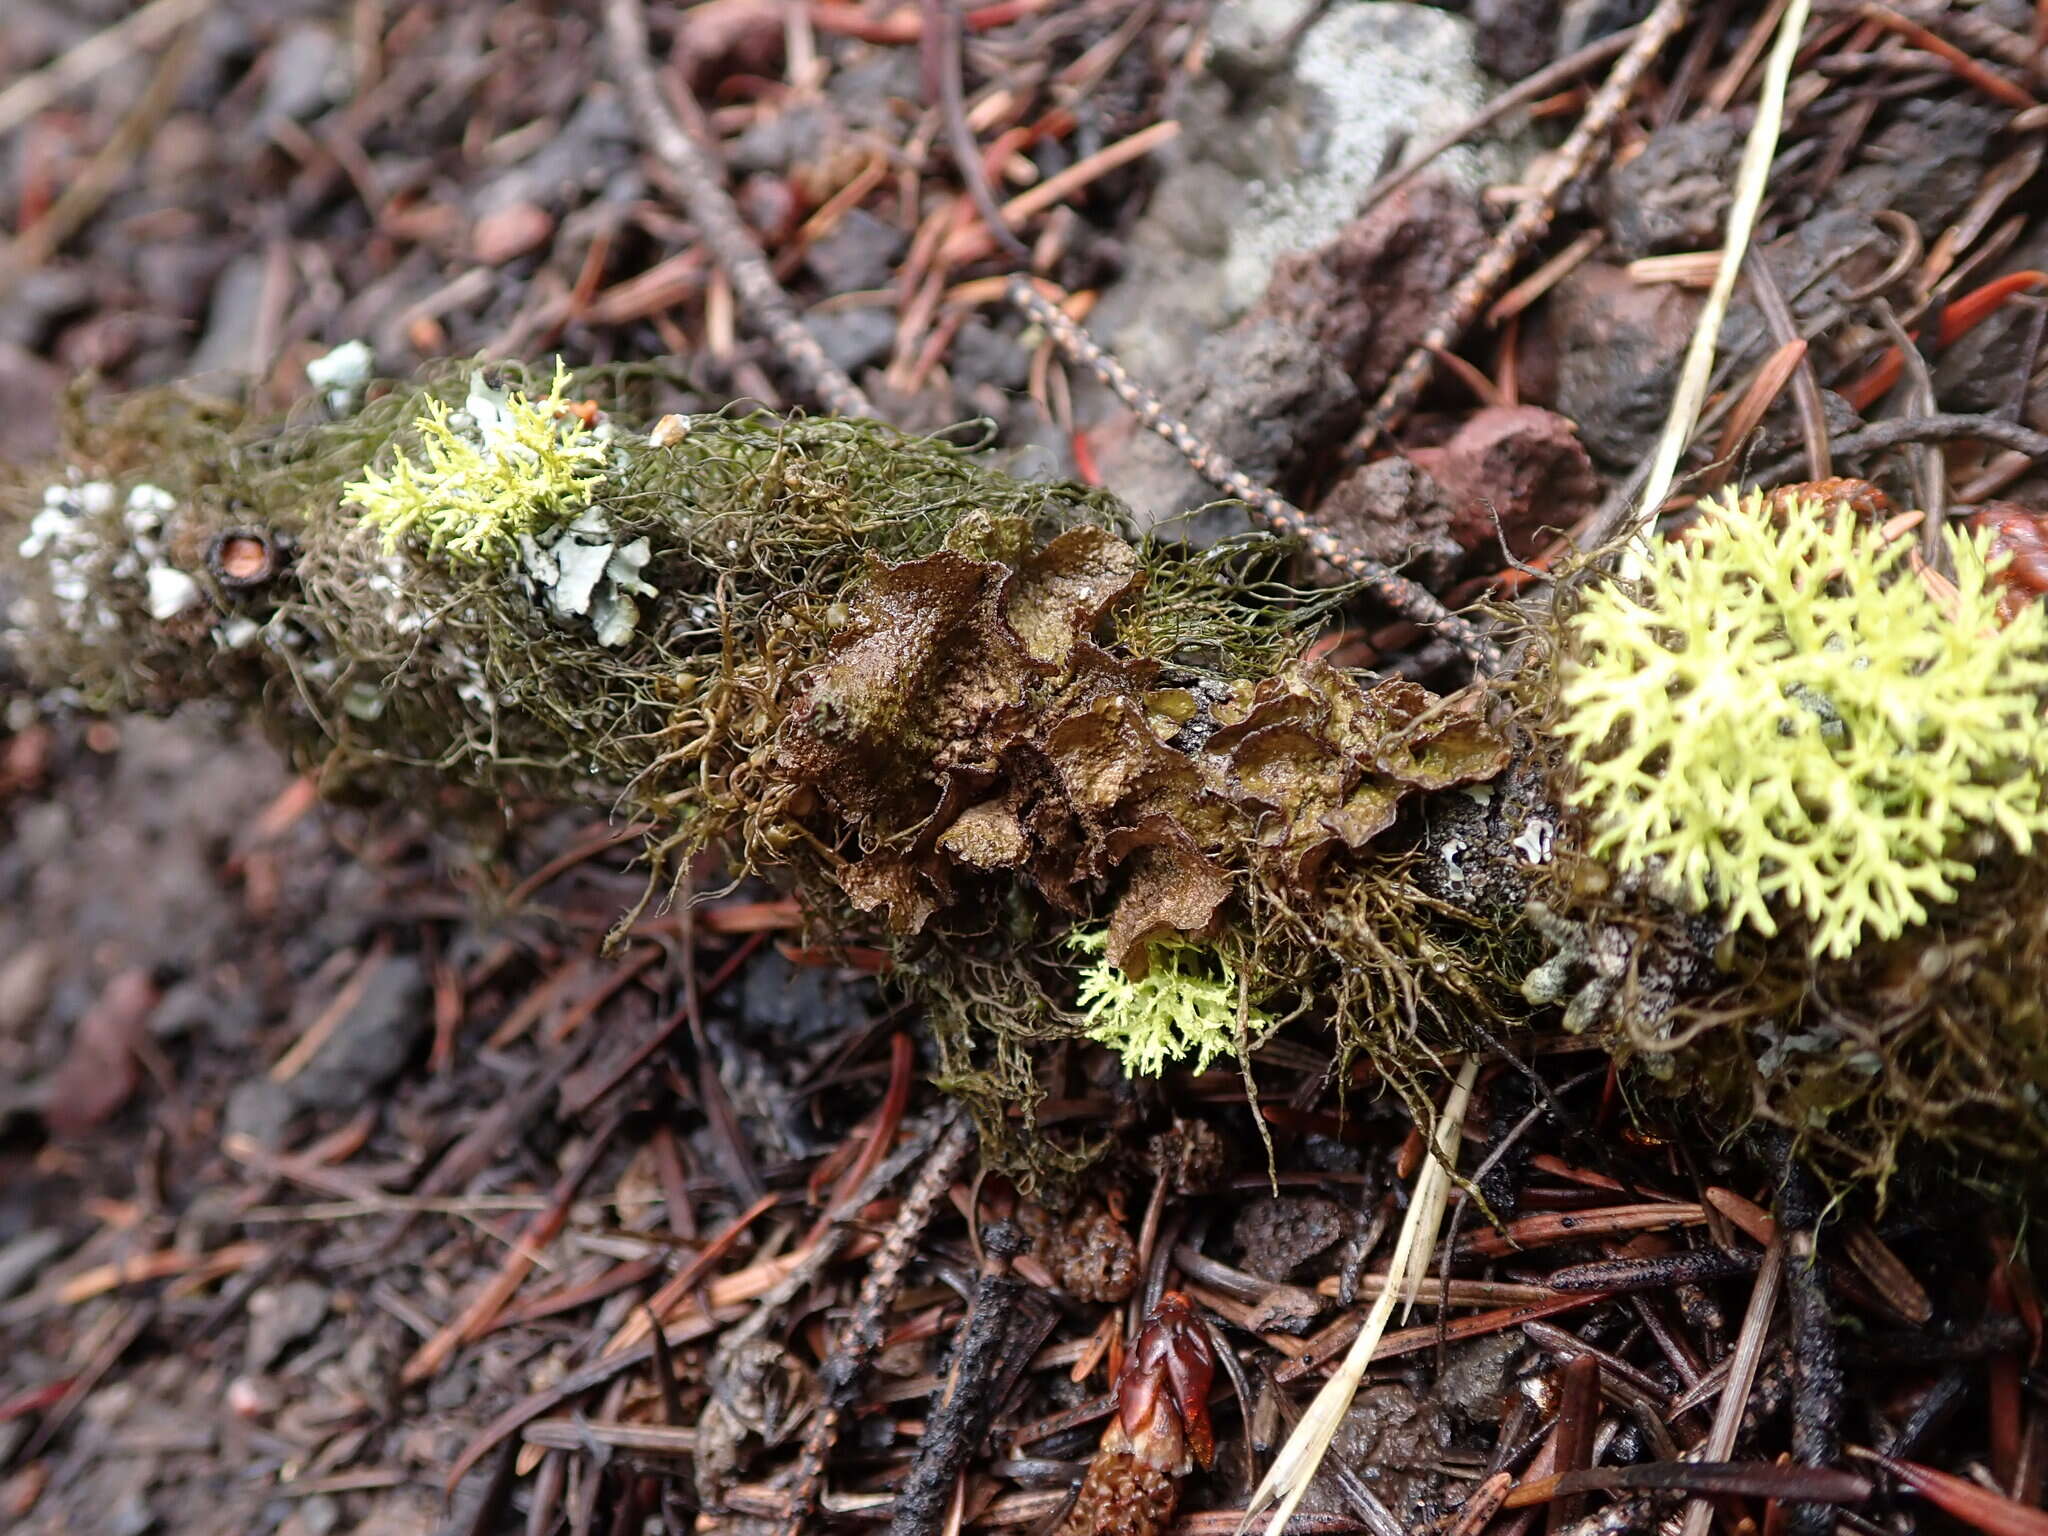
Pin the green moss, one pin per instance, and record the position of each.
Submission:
(1782, 719)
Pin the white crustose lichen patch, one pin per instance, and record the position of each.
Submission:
(75, 536)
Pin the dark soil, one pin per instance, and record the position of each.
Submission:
(287, 1085)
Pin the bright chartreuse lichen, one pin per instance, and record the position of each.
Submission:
(1187, 1001)
(515, 467)
(1784, 716)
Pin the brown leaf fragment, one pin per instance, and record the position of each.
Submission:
(1294, 779)
(1366, 812)
(987, 836)
(1429, 742)
(1114, 769)
(904, 892)
(908, 688)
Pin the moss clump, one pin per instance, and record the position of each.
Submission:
(1781, 718)
(501, 470)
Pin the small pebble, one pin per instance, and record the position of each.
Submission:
(511, 232)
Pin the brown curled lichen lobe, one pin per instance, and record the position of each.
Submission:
(968, 719)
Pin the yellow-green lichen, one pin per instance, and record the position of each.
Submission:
(1187, 1002)
(1783, 717)
(515, 467)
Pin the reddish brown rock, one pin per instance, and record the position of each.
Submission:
(1604, 351)
(1366, 296)
(1513, 472)
(516, 230)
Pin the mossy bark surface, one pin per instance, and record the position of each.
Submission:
(976, 714)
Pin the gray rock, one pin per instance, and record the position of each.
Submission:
(797, 1005)
(1674, 195)
(1281, 165)
(1619, 345)
(1278, 1234)
(1926, 163)
(260, 1110)
(983, 355)
(177, 276)
(853, 338)
(1479, 1376)
(1275, 151)
(31, 390)
(1587, 21)
(776, 141)
(1423, 81)
(1395, 513)
(369, 1045)
(1269, 392)
(25, 977)
(227, 1016)
(229, 340)
(40, 300)
(1248, 40)
(1516, 37)
(578, 159)
(1394, 1439)
(131, 1515)
(182, 796)
(308, 73)
(860, 253)
(280, 1316)
(25, 1255)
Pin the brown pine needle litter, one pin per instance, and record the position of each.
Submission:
(1287, 1479)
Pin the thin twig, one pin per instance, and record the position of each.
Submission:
(1930, 469)
(1942, 429)
(1530, 223)
(857, 1341)
(1813, 417)
(962, 1407)
(1742, 1366)
(1407, 597)
(145, 29)
(711, 210)
(1287, 1479)
(1539, 85)
(1752, 179)
(1816, 1357)
(89, 189)
(942, 43)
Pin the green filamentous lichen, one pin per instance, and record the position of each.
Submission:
(515, 468)
(1187, 1002)
(1784, 717)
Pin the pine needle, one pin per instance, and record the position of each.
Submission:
(1752, 179)
(1295, 1467)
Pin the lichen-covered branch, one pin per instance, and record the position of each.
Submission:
(1040, 756)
